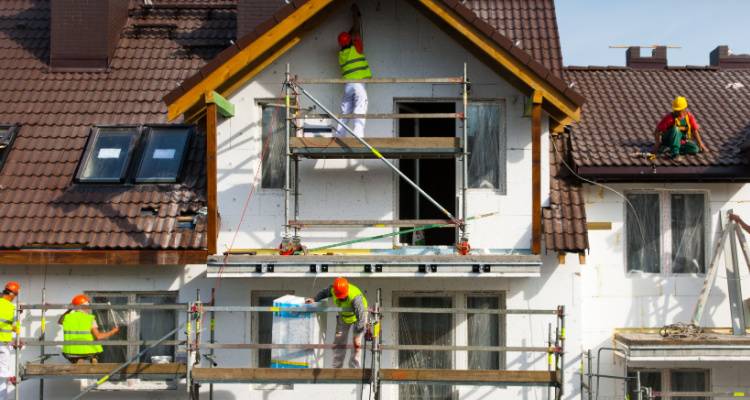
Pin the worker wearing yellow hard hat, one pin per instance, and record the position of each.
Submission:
(678, 132)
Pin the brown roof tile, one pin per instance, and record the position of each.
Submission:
(39, 204)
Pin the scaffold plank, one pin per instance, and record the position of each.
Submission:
(280, 375)
(403, 147)
(469, 377)
(34, 370)
(369, 222)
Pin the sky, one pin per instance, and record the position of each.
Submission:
(589, 27)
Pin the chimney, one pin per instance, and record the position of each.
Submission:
(658, 59)
(251, 13)
(721, 57)
(84, 33)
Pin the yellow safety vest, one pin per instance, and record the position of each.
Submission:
(349, 317)
(7, 320)
(354, 64)
(77, 326)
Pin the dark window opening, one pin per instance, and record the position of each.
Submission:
(7, 136)
(164, 155)
(436, 177)
(108, 154)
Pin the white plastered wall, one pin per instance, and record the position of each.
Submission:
(614, 298)
(399, 42)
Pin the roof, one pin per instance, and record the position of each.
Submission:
(539, 38)
(624, 105)
(41, 205)
(564, 221)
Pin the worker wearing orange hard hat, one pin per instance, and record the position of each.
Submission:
(346, 295)
(678, 132)
(8, 326)
(354, 66)
(80, 325)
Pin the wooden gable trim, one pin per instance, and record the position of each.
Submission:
(506, 60)
(246, 56)
(102, 257)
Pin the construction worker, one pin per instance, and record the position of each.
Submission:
(8, 326)
(81, 325)
(346, 295)
(353, 65)
(678, 132)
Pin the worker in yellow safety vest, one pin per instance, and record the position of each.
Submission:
(80, 325)
(8, 326)
(346, 295)
(354, 66)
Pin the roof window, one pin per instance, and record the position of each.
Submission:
(7, 135)
(139, 154)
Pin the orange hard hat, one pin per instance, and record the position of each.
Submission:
(345, 39)
(340, 288)
(80, 299)
(13, 286)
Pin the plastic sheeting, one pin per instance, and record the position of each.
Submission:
(291, 327)
(273, 130)
(486, 146)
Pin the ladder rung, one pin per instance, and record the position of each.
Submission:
(451, 80)
(369, 223)
(384, 116)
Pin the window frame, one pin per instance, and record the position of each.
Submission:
(12, 133)
(134, 321)
(146, 135)
(666, 377)
(501, 320)
(665, 231)
(94, 133)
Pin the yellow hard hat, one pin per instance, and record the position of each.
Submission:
(679, 103)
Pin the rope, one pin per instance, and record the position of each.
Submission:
(681, 330)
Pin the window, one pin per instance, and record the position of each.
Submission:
(7, 135)
(486, 146)
(157, 153)
(273, 125)
(446, 329)
(163, 155)
(136, 324)
(108, 154)
(263, 322)
(666, 231)
(677, 380)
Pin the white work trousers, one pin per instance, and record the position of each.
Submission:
(353, 102)
(342, 337)
(5, 369)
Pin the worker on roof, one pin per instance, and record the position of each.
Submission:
(678, 132)
(8, 326)
(346, 295)
(80, 325)
(353, 66)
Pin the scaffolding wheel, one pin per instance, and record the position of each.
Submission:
(463, 247)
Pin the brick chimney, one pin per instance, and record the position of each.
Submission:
(658, 59)
(721, 57)
(251, 13)
(84, 33)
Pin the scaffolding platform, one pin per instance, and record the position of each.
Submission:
(383, 266)
(371, 223)
(330, 375)
(709, 346)
(400, 148)
(96, 371)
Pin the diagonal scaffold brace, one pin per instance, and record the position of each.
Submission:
(290, 83)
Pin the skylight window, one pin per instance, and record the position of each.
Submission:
(7, 135)
(108, 154)
(163, 155)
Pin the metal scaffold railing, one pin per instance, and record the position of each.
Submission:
(294, 88)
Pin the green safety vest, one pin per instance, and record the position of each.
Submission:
(349, 317)
(77, 326)
(7, 320)
(354, 64)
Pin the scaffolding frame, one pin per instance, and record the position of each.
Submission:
(195, 373)
(291, 241)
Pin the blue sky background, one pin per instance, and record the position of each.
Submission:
(589, 27)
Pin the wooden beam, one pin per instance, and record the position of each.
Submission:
(98, 370)
(561, 257)
(225, 108)
(246, 56)
(536, 173)
(403, 147)
(102, 257)
(504, 58)
(468, 377)
(211, 174)
(582, 258)
(599, 226)
(376, 223)
(280, 375)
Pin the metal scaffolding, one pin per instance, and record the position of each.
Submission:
(294, 87)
